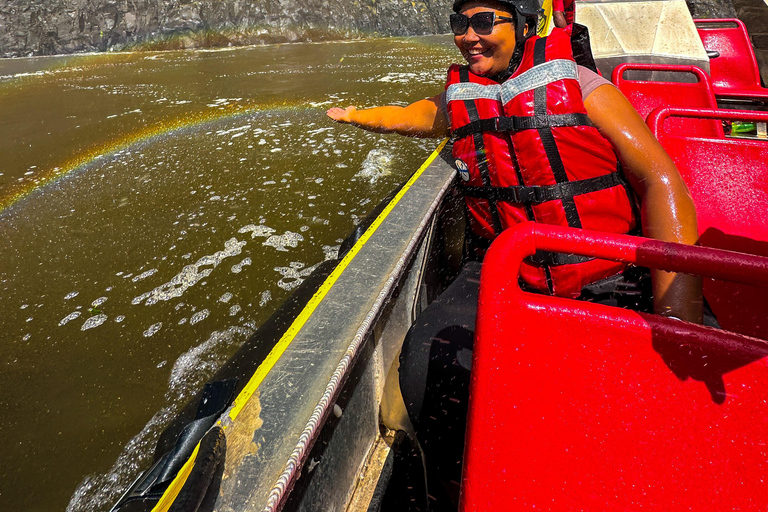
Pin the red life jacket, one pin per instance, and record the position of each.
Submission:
(526, 150)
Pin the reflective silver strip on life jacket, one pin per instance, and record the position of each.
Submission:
(472, 91)
(537, 76)
(543, 74)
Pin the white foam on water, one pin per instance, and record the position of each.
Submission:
(226, 297)
(69, 318)
(237, 268)
(190, 275)
(266, 296)
(288, 239)
(234, 310)
(199, 316)
(119, 318)
(233, 130)
(293, 275)
(331, 252)
(98, 302)
(144, 275)
(71, 295)
(152, 330)
(94, 321)
(377, 163)
(255, 230)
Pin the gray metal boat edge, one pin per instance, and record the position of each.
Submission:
(268, 443)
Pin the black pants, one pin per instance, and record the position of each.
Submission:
(436, 360)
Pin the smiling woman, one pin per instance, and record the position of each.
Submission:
(531, 141)
(488, 52)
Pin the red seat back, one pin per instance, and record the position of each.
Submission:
(734, 71)
(573, 405)
(646, 95)
(728, 179)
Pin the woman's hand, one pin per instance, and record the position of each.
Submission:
(341, 115)
(423, 118)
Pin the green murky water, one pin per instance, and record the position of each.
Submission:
(156, 208)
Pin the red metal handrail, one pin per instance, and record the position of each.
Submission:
(702, 261)
(657, 117)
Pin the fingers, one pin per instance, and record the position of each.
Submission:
(341, 115)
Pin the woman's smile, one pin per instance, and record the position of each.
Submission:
(487, 55)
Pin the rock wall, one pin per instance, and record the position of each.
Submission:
(46, 27)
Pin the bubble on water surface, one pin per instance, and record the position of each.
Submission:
(293, 275)
(190, 275)
(69, 318)
(237, 268)
(144, 275)
(288, 239)
(199, 317)
(94, 321)
(331, 252)
(71, 295)
(119, 318)
(152, 330)
(98, 302)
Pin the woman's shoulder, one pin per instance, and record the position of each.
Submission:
(589, 81)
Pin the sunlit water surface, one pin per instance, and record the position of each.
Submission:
(156, 208)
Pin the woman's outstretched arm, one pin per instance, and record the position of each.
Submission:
(423, 118)
(667, 209)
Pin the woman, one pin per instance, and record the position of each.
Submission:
(532, 148)
(666, 208)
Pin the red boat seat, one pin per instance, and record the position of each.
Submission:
(735, 73)
(582, 406)
(728, 179)
(646, 95)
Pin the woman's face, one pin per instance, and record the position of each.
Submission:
(487, 55)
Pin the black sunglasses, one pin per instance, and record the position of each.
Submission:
(482, 23)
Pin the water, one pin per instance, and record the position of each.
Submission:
(156, 208)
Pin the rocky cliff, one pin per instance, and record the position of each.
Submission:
(46, 27)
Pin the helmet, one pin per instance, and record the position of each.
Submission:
(524, 7)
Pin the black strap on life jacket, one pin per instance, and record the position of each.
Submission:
(480, 154)
(541, 194)
(519, 123)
